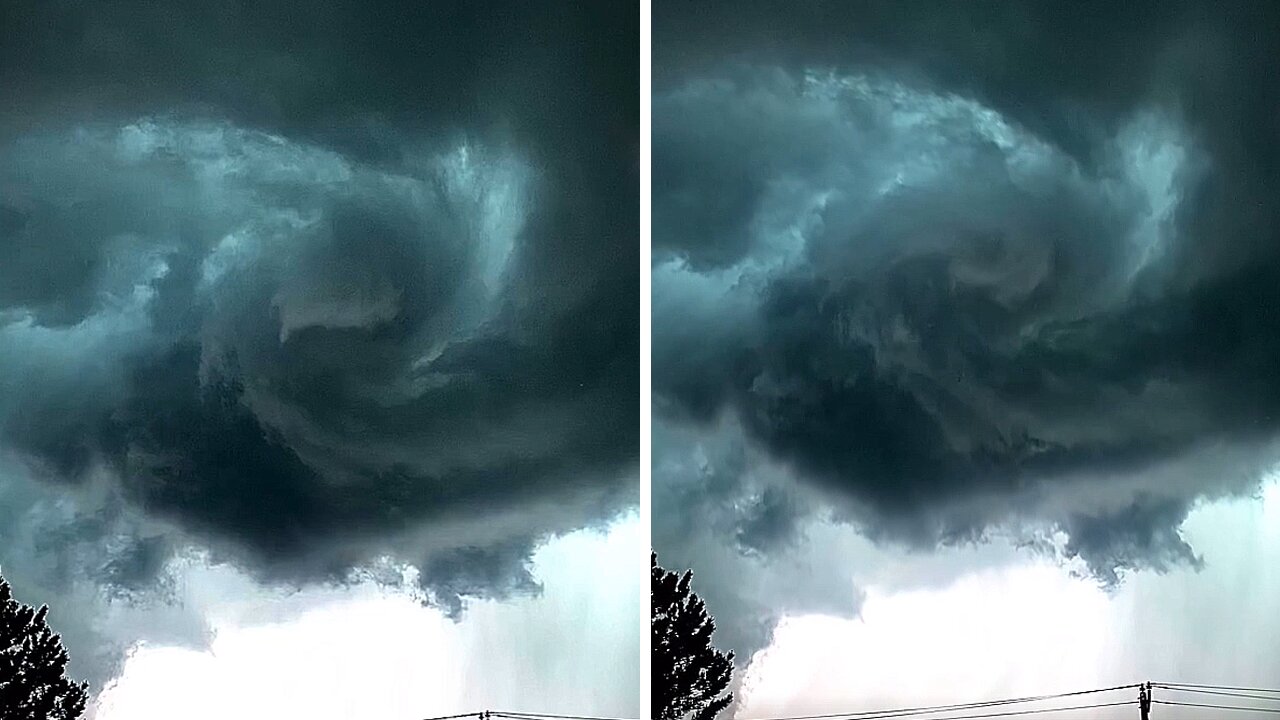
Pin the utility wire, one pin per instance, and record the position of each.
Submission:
(1225, 693)
(1010, 713)
(512, 714)
(1221, 690)
(931, 709)
(1179, 686)
(1217, 707)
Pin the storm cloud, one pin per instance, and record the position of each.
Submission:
(314, 288)
(968, 269)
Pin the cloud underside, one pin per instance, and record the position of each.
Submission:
(321, 292)
(908, 282)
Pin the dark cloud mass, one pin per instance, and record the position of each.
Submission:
(967, 267)
(310, 285)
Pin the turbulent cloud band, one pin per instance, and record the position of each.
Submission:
(946, 301)
(321, 290)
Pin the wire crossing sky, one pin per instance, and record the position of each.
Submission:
(931, 712)
(907, 712)
(487, 714)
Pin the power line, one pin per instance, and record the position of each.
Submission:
(514, 715)
(1011, 713)
(1220, 690)
(1038, 711)
(931, 709)
(1179, 686)
(1225, 693)
(1217, 707)
(546, 716)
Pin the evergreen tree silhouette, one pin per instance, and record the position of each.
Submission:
(688, 674)
(33, 685)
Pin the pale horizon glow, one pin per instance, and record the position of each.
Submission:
(1030, 627)
(375, 654)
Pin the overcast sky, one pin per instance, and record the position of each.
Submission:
(965, 342)
(311, 293)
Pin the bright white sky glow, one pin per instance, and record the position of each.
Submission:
(1011, 629)
(373, 655)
